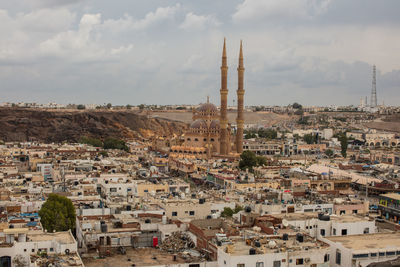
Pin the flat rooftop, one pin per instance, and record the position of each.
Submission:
(314, 215)
(368, 241)
(60, 237)
(139, 257)
(271, 244)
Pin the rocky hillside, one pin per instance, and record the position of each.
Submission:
(57, 126)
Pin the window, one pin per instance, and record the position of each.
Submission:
(33, 250)
(390, 253)
(355, 211)
(344, 231)
(51, 249)
(381, 254)
(326, 258)
(194, 265)
(357, 256)
(342, 212)
(338, 257)
(259, 264)
(191, 213)
(334, 231)
(374, 254)
(25, 250)
(322, 232)
(366, 230)
(240, 265)
(277, 264)
(113, 189)
(299, 261)
(146, 190)
(174, 213)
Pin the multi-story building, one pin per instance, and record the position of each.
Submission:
(361, 250)
(389, 206)
(273, 251)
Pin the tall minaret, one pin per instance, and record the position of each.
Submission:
(223, 150)
(240, 96)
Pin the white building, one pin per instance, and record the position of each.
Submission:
(274, 251)
(361, 250)
(22, 243)
(326, 225)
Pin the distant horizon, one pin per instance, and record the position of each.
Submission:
(317, 53)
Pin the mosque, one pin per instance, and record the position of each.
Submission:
(210, 134)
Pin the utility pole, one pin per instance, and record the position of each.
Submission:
(63, 178)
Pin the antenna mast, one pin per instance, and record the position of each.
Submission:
(374, 101)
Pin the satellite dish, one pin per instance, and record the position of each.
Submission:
(285, 223)
(396, 186)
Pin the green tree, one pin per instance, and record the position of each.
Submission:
(237, 209)
(103, 153)
(261, 161)
(250, 134)
(90, 141)
(343, 145)
(297, 105)
(109, 105)
(80, 106)
(329, 152)
(299, 112)
(113, 143)
(57, 214)
(228, 212)
(309, 138)
(267, 133)
(248, 160)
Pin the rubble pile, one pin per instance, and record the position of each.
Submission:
(177, 242)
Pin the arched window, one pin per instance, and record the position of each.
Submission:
(196, 140)
(212, 140)
(188, 139)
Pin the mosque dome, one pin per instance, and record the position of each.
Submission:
(207, 108)
(197, 124)
(214, 124)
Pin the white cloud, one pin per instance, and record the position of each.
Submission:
(198, 22)
(50, 3)
(151, 18)
(279, 9)
(46, 20)
(80, 45)
(127, 22)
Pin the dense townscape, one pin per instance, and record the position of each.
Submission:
(316, 187)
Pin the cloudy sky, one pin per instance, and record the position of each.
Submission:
(316, 52)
